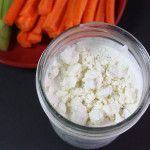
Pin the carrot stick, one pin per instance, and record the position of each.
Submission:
(26, 23)
(53, 19)
(20, 23)
(52, 34)
(29, 7)
(38, 28)
(100, 13)
(61, 27)
(80, 7)
(110, 11)
(45, 6)
(22, 39)
(89, 12)
(13, 12)
(34, 38)
(70, 13)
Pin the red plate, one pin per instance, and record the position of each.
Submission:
(28, 57)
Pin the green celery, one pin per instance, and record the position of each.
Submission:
(5, 30)
(1, 6)
(6, 5)
(4, 42)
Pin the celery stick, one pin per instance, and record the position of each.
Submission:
(5, 30)
(1, 6)
(4, 43)
(6, 5)
(5, 33)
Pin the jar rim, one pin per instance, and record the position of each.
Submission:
(105, 130)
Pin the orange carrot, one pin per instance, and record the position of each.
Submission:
(26, 23)
(13, 12)
(89, 12)
(29, 8)
(61, 27)
(110, 11)
(49, 34)
(100, 13)
(34, 38)
(38, 28)
(80, 7)
(70, 8)
(70, 13)
(52, 34)
(22, 39)
(53, 19)
(45, 6)
(20, 23)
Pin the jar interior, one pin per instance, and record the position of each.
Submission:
(76, 34)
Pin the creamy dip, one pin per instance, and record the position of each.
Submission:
(94, 82)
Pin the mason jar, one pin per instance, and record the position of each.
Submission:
(84, 136)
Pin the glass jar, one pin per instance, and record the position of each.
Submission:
(83, 136)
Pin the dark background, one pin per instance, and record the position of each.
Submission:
(23, 123)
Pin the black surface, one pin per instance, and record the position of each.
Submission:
(24, 125)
